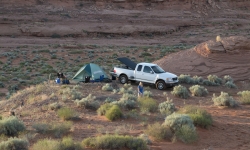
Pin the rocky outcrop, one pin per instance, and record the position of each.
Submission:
(231, 45)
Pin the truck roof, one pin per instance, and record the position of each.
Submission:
(148, 64)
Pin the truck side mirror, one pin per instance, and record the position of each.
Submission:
(151, 72)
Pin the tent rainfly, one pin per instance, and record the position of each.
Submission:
(92, 70)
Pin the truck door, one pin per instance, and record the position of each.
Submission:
(148, 74)
(138, 72)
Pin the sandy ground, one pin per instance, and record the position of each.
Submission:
(143, 23)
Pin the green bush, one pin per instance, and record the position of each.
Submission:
(41, 127)
(114, 113)
(199, 116)
(107, 87)
(198, 90)
(158, 131)
(54, 106)
(214, 79)
(244, 97)
(167, 107)
(180, 91)
(68, 144)
(88, 102)
(103, 109)
(197, 80)
(109, 100)
(14, 144)
(11, 126)
(66, 113)
(47, 144)
(127, 88)
(208, 83)
(147, 94)
(224, 100)
(230, 85)
(115, 142)
(182, 127)
(60, 129)
(147, 104)
(185, 79)
(127, 101)
(227, 78)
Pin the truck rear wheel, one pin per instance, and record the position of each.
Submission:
(123, 79)
(161, 85)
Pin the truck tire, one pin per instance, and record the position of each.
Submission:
(161, 85)
(123, 79)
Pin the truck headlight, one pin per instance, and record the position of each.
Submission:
(169, 79)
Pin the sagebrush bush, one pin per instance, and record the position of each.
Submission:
(103, 109)
(244, 97)
(198, 90)
(128, 101)
(68, 143)
(208, 83)
(145, 138)
(107, 87)
(47, 144)
(60, 129)
(127, 88)
(88, 102)
(54, 106)
(147, 94)
(114, 113)
(197, 80)
(227, 78)
(180, 91)
(167, 107)
(158, 131)
(224, 100)
(11, 126)
(185, 79)
(147, 104)
(67, 113)
(199, 116)
(214, 79)
(115, 142)
(14, 144)
(230, 85)
(182, 127)
(41, 127)
(109, 100)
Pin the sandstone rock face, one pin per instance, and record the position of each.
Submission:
(231, 45)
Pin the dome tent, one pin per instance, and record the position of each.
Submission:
(92, 70)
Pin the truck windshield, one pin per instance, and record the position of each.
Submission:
(157, 69)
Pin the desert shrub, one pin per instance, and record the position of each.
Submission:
(46, 144)
(198, 90)
(127, 88)
(158, 131)
(180, 91)
(127, 101)
(103, 109)
(147, 104)
(41, 127)
(109, 100)
(197, 80)
(167, 107)
(227, 78)
(61, 128)
(147, 94)
(88, 102)
(113, 113)
(2, 85)
(115, 142)
(66, 113)
(107, 87)
(208, 83)
(214, 79)
(76, 94)
(67, 143)
(14, 144)
(230, 85)
(244, 97)
(199, 116)
(11, 126)
(224, 100)
(54, 106)
(176, 122)
(185, 79)
(145, 138)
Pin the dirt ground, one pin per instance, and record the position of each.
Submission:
(36, 24)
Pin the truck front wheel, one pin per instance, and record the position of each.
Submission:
(123, 79)
(161, 85)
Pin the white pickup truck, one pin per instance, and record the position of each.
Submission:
(144, 72)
